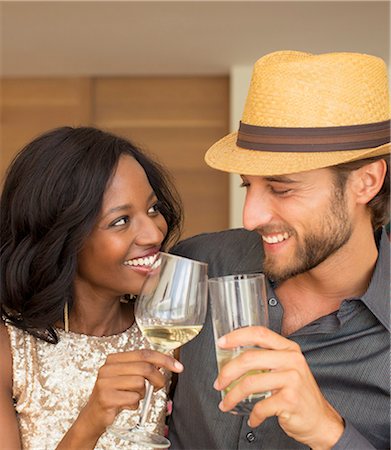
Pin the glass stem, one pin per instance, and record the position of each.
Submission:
(146, 403)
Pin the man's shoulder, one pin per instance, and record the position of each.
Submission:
(205, 243)
(235, 250)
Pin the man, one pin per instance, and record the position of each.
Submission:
(313, 150)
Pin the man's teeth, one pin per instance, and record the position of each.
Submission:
(276, 238)
(148, 261)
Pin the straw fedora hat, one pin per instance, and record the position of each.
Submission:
(306, 112)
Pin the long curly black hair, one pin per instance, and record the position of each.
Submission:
(51, 199)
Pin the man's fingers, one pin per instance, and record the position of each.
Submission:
(258, 359)
(252, 384)
(275, 405)
(272, 406)
(259, 336)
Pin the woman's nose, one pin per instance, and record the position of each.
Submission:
(152, 231)
(257, 210)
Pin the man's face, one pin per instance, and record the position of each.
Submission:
(303, 218)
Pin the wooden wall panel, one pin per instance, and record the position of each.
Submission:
(175, 119)
(201, 101)
(30, 106)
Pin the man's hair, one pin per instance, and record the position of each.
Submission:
(50, 203)
(379, 205)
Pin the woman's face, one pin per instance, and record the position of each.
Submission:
(130, 229)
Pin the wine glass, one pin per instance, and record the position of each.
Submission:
(238, 301)
(169, 311)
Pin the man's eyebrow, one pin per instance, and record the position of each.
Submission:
(281, 179)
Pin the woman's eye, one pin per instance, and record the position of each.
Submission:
(155, 209)
(244, 184)
(120, 221)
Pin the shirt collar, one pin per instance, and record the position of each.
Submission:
(377, 296)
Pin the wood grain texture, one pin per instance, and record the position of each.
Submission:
(30, 106)
(174, 119)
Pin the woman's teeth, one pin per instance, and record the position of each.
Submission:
(148, 261)
(276, 238)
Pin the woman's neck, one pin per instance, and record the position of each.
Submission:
(100, 319)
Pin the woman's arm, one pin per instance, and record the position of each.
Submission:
(9, 431)
(120, 384)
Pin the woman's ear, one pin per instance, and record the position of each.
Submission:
(368, 180)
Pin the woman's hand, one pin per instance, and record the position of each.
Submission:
(302, 411)
(120, 385)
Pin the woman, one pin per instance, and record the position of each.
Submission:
(83, 213)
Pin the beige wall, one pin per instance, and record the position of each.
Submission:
(57, 38)
(183, 38)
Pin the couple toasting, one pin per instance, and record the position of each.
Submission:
(313, 152)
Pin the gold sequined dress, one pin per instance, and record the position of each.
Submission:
(52, 383)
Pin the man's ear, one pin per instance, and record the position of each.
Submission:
(368, 180)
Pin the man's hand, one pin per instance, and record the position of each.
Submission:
(302, 411)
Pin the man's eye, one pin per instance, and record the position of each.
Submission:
(281, 192)
(121, 221)
(244, 184)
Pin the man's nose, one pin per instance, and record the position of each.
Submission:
(257, 210)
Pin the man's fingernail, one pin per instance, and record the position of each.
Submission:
(221, 341)
(216, 385)
(178, 365)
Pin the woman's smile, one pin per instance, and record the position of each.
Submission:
(129, 233)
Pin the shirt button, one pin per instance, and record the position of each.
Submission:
(250, 436)
(273, 301)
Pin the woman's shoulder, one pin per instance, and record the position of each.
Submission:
(11, 333)
(9, 434)
(6, 358)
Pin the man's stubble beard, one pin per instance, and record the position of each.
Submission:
(333, 232)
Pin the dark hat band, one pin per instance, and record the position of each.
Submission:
(276, 139)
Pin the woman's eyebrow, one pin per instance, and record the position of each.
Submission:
(127, 206)
(116, 209)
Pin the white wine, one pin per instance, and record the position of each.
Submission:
(165, 338)
(245, 406)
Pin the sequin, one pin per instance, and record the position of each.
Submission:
(52, 383)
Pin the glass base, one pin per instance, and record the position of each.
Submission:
(139, 435)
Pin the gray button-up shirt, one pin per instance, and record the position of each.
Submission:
(347, 351)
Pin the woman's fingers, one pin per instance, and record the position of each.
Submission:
(121, 382)
(142, 363)
(121, 375)
(146, 355)
(113, 399)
